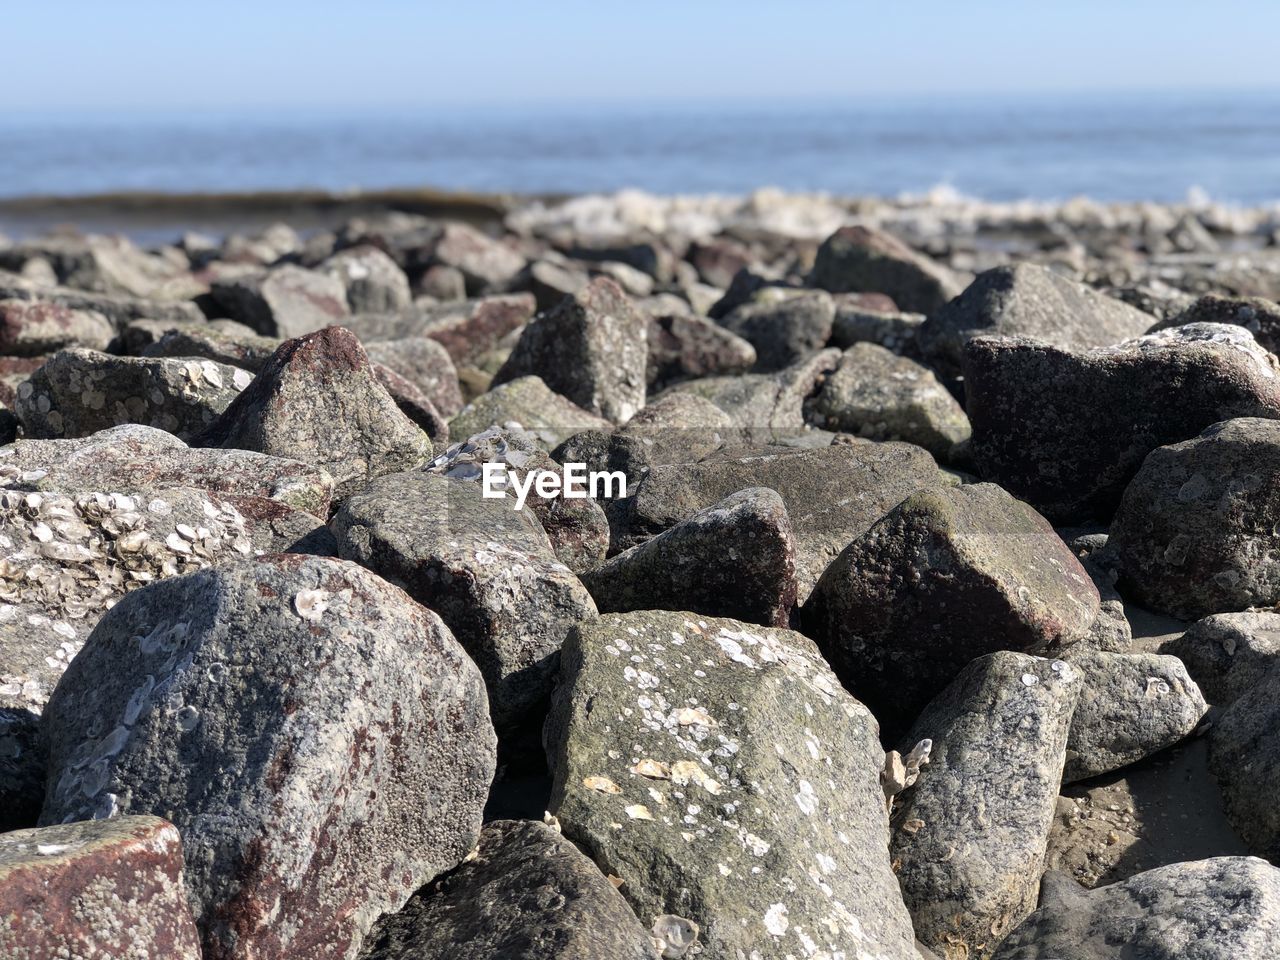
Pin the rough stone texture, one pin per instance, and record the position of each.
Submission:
(488, 570)
(528, 404)
(1068, 431)
(970, 836)
(875, 394)
(79, 392)
(894, 331)
(1244, 754)
(319, 400)
(1229, 654)
(1260, 317)
(100, 889)
(1027, 300)
(950, 574)
(832, 494)
(550, 282)
(134, 458)
(414, 404)
(1198, 529)
(735, 559)
(1131, 705)
(767, 402)
(373, 281)
(719, 770)
(117, 308)
(528, 893)
(683, 347)
(30, 328)
(785, 331)
(591, 349)
(1226, 908)
(468, 329)
(424, 363)
(320, 740)
(863, 259)
(288, 301)
(248, 352)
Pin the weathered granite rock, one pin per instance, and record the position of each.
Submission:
(319, 400)
(487, 265)
(876, 394)
(288, 301)
(472, 328)
(1259, 316)
(414, 404)
(320, 741)
(1027, 300)
(530, 405)
(30, 328)
(110, 888)
(527, 893)
(132, 458)
(591, 349)
(786, 331)
(373, 281)
(949, 575)
(863, 259)
(1198, 529)
(719, 770)
(1244, 755)
(117, 308)
(488, 570)
(1068, 431)
(1131, 705)
(734, 559)
(102, 264)
(79, 392)
(249, 352)
(855, 323)
(970, 836)
(683, 347)
(1229, 654)
(424, 363)
(550, 282)
(767, 402)
(1226, 908)
(442, 283)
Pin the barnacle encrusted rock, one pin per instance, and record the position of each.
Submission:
(248, 351)
(1259, 316)
(287, 301)
(319, 400)
(320, 769)
(527, 404)
(30, 328)
(1229, 653)
(79, 392)
(748, 799)
(1244, 755)
(527, 893)
(110, 888)
(970, 836)
(949, 575)
(489, 571)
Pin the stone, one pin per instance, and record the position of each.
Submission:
(1224, 908)
(30, 328)
(108, 888)
(551, 282)
(855, 323)
(1067, 431)
(320, 741)
(786, 331)
(1229, 654)
(527, 893)
(947, 576)
(80, 392)
(591, 349)
(468, 329)
(876, 394)
(1244, 756)
(1259, 316)
(414, 404)
(488, 570)
(1198, 529)
(772, 403)
(424, 363)
(1131, 706)
(970, 837)
(117, 308)
(487, 265)
(287, 301)
(374, 283)
(529, 404)
(320, 401)
(718, 769)
(102, 264)
(1027, 300)
(864, 259)
(685, 347)
(248, 352)
(735, 559)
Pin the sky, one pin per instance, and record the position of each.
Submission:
(76, 55)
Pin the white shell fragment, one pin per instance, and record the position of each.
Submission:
(673, 936)
(311, 604)
(653, 769)
(689, 716)
(601, 784)
(638, 811)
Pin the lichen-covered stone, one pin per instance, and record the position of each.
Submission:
(970, 837)
(320, 741)
(424, 363)
(79, 392)
(1198, 529)
(947, 576)
(527, 404)
(374, 283)
(287, 301)
(863, 259)
(718, 769)
(527, 893)
(109, 888)
(30, 328)
(784, 331)
(1229, 654)
(488, 570)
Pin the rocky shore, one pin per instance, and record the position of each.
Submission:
(932, 614)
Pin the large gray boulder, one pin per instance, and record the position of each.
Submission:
(1229, 653)
(287, 301)
(320, 740)
(720, 771)
(247, 350)
(1068, 431)
(866, 260)
(1198, 529)
(970, 836)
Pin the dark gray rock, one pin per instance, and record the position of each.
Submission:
(1198, 529)
(855, 323)
(373, 281)
(784, 331)
(527, 893)
(949, 575)
(863, 259)
(1244, 755)
(1259, 316)
(288, 301)
(770, 403)
(719, 770)
(320, 741)
(1229, 654)
(1068, 431)
(424, 363)
(528, 404)
(29, 328)
(684, 347)
(970, 836)
(551, 282)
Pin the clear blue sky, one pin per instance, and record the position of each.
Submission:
(145, 54)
